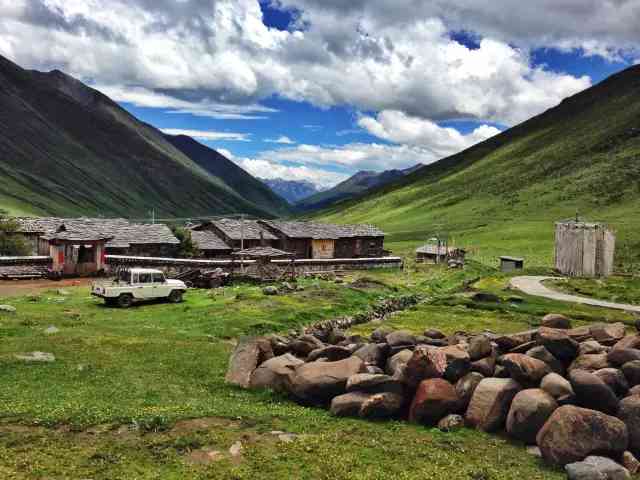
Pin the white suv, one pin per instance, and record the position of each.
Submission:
(138, 284)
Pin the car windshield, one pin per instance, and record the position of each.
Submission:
(124, 276)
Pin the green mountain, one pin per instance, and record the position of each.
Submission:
(353, 187)
(66, 149)
(502, 196)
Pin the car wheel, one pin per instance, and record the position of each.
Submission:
(175, 296)
(110, 302)
(125, 301)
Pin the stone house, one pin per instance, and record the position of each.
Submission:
(238, 233)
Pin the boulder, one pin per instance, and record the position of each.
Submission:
(379, 335)
(541, 353)
(634, 390)
(451, 423)
(274, 373)
(485, 366)
(248, 354)
(400, 338)
(556, 320)
(397, 362)
(279, 344)
(490, 403)
(372, 383)
(435, 334)
(608, 333)
(486, 297)
(526, 370)
(590, 347)
(573, 433)
(629, 413)
(580, 334)
(434, 399)
(591, 392)
(458, 362)
(596, 468)
(319, 382)
(556, 386)
(426, 362)
(373, 353)
(331, 352)
(465, 388)
(619, 356)
(614, 379)
(508, 342)
(7, 309)
(270, 290)
(630, 341)
(373, 369)
(304, 345)
(590, 363)
(558, 342)
(529, 411)
(631, 372)
(631, 463)
(336, 336)
(348, 404)
(381, 405)
(479, 347)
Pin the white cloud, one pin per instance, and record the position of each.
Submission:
(373, 55)
(397, 127)
(208, 134)
(283, 139)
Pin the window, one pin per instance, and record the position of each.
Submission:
(158, 278)
(144, 278)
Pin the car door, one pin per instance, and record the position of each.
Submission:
(144, 288)
(160, 287)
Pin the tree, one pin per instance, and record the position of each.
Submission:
(187, 248)
(11, 244)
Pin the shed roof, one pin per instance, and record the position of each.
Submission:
(511, 259)
(208, 240)
(322, 231)
(256, 252)
(237, 229)
(77, 236)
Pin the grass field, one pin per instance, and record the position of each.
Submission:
(615, 289)
(140, 393)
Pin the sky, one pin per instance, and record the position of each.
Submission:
(319, 89)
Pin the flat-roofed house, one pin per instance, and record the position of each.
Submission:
(356, 241)
(238, 233)
(210, 244)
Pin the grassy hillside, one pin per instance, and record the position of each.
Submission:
(503, 195)
(66, 149)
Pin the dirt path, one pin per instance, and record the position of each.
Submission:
(532, 285)
(16, 288)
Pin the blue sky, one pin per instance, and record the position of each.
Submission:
(317, 90)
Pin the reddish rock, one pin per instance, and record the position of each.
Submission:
(381, 405)
(319, 382)
(248, 354)
(573, 433)
(529, 411)
(425, 362)
(558, 342)
(274, 373)
(513, 340)
(556, 320)
(434, 399)
(590, 363)
(524, 369)
(397, 362)
(490, 403)
(608, 333)
(619, 356)
(629, 413)
(485, 366)
(630, 341)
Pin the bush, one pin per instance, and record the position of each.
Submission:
(10, 243)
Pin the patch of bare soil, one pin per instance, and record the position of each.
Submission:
(16, 288)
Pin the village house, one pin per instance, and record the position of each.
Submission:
(239, 233)
(210, 245)
(439, 254)
(325, 240)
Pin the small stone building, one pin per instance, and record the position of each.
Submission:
(210, 245)
(584, 249)
(439, 254)
(76, 253)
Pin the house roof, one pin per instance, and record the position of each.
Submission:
(120, 231)
(77, 236)
(263, 252)
(208, 240)
(322, 231)
(236, 229)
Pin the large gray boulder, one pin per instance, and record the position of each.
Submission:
(479, 347)
(596, 468)
(490, 403)
(275, 372)
(319, 382)
(573, 433)
(400, 338)
(373, 353)
(305, 344)
(397, 362)
(591, 392)
(529, 411)
(629, 413)
(248, 354)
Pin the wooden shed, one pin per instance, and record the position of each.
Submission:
(584, 249)
(439, 254)
(510, 264)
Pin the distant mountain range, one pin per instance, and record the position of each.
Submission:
(67, 149)
(291, 190)
(352, 187)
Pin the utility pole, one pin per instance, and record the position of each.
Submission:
(242, 242)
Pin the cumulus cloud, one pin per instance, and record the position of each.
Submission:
(208, 134)
(371, 55)
(282, 139)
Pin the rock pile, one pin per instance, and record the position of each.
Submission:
(573, 392)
